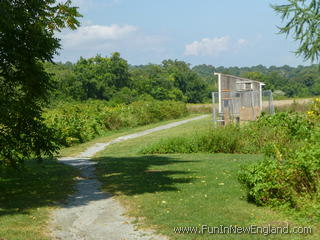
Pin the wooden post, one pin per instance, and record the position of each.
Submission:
(260, 84)
(214, 109)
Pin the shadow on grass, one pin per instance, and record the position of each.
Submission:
(35, 186)
(138, 175)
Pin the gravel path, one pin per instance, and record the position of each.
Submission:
(91, 214)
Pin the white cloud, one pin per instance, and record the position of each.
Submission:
(129, 40)
(207, 47)
(90, 36)
(242, 42)
(213, 47)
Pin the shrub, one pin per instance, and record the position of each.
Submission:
(221, 139)
(282, 129)
(289, 182)
(213, 140)
(79, 122)
(170, 145)
(314, 111)
(264, 184)
(294, 124)
(289, 177)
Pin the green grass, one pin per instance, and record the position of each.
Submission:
(166, 191)
(162, 191)
(27, 196)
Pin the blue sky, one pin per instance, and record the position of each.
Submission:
(216, 32)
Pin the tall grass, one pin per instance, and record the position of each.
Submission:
(293, 107)
(212, 140)
(199, 108)
(255, 137)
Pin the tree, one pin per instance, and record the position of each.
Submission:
(66, 86)
(155, 81)
(188, 81)
(26, 41)
(303, 22)
(102, 77)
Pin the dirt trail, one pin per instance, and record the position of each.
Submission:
(91, 214)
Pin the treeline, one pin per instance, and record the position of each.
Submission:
(301, 81)
(113, 79)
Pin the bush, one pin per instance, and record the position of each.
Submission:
(263, 183)
(282, 129)
(294, 124)
(81, 122)
(289, 177)
(221, 139)
(314, 112)
(290, 182)
(170, 145)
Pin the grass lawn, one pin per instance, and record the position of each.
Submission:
(167, 191)
(27, 196)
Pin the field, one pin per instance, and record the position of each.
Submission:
(71, 123)
(181, 190)
(106, 134)
(28, 196)
(159, 191)
(293, 104)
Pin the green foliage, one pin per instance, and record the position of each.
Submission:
(110, 78)
(289, 176)
(26, 40)
(292, 181)
(303, 22)
(256, 137)
(125, 95)
(101, 77)
(295, 125)
(64, 80)
(163, 188)
(298, 81)
(214, 140)
(191, 85)
(155, 81)
(314, 113)
(79, 122)
(27, 197)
